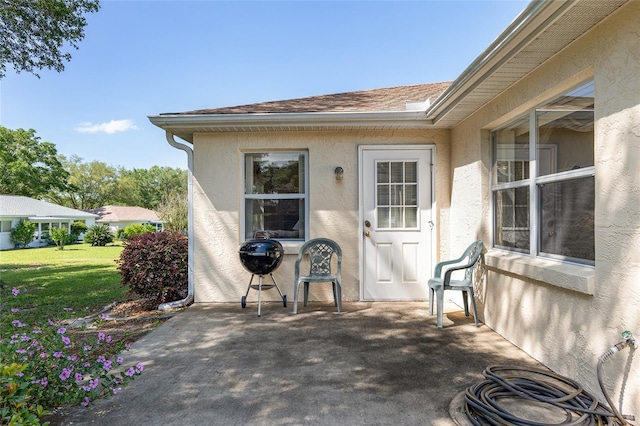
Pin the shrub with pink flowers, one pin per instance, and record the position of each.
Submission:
(48, 369)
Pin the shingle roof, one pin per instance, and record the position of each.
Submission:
(124, 214)
(19, 206)
(386, 99)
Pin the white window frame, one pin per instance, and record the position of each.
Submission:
(533, 182)
(293, 242)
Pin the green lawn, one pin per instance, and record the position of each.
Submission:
(53, 282)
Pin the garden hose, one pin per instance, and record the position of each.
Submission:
(482, 401)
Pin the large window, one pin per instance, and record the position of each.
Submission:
(275, 195)
(543, 183)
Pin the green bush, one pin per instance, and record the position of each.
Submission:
(137, 229)
(22, 234)
(16, 402)
(99, 235)
(60, 236)
(155, 266)
(77, 228)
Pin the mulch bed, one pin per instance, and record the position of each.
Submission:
(125, 322)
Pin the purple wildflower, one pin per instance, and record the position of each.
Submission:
(78, 377)
(15, 291)
(14, 310)
(85, 402)
(66, 373)
(130, 372)
(139, 367)
(62, 330)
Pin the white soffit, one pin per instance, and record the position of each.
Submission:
(542, 30)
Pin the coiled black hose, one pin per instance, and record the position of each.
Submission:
(482, 401)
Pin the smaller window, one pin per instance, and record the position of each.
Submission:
(275, 195)
(5, 226)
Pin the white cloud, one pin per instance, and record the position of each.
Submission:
(113, 126)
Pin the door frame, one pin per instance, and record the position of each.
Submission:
(361, 237)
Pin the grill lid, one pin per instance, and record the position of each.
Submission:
(261, 257)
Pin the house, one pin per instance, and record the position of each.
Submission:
(14, 208)
(534, 149)
(119, 217)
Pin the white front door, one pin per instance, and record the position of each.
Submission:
(396, 198)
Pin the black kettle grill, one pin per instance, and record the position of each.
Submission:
(261, 257)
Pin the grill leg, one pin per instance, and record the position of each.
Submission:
(276, 284)
(259, 293)
(249, 288)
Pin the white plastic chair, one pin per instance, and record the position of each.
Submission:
(439, 284)
(320, 252)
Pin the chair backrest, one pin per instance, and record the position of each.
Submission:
(320, 252)
(472, 254)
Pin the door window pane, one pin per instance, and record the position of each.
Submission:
(397, 194)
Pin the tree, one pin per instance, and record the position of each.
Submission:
(27, 166)
(90, 185)
(146, 187)
(173, 210)
(22, 234)
(34, 33)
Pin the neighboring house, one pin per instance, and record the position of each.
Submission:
(119, 217)
(534, 149)
(14, 208)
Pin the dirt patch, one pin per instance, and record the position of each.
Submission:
(124, 322)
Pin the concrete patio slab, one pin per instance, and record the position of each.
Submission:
(374, 364)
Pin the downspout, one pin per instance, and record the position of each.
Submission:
(189, 299)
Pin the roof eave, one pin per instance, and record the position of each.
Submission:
(530, 25)
(185, 125)
(531, 22)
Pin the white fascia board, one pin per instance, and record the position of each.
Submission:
(186, 123)
(533, 20)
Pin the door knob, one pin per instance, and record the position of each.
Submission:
(367, 234)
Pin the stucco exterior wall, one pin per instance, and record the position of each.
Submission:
(565, 327)
(334, 208)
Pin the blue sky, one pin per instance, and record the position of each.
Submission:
(142, 58)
